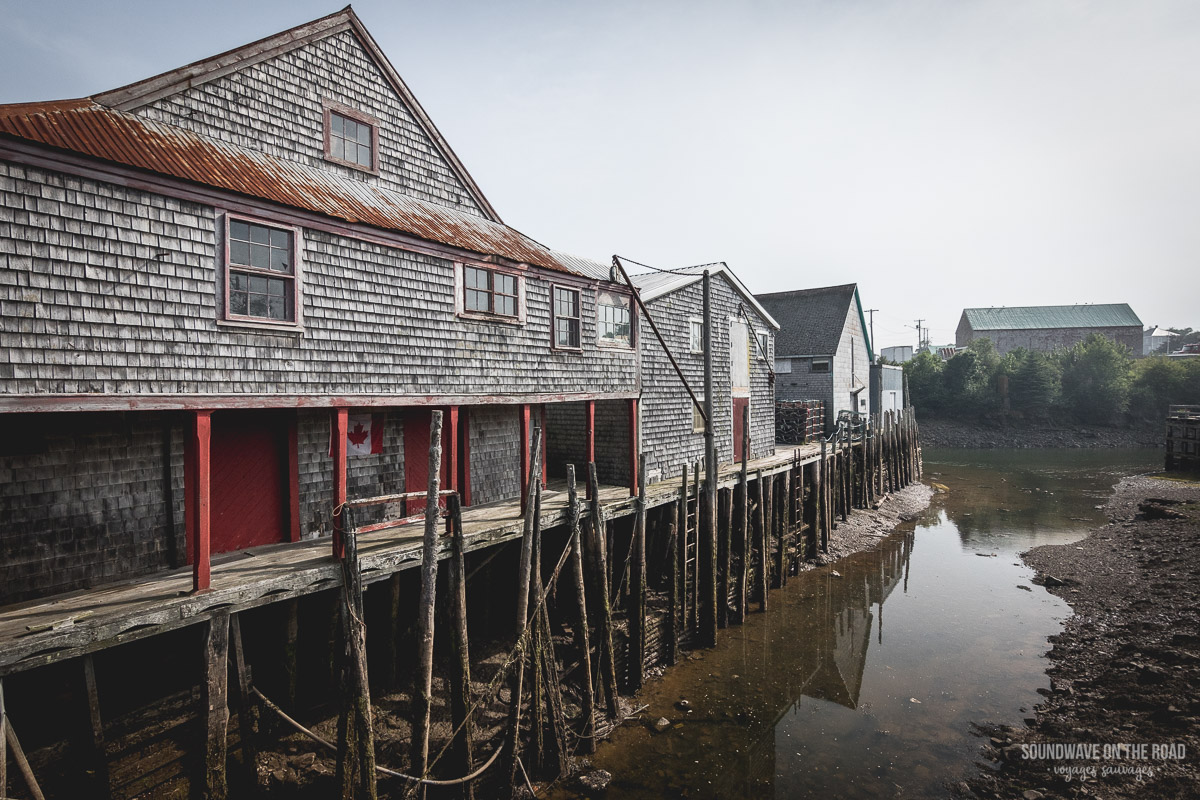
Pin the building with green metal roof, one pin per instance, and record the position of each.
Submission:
(1048, 328)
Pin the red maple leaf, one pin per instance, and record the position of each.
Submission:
(358, 435)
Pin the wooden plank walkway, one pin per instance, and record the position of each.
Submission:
(94, 619)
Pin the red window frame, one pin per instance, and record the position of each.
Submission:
(491, 292)
(555, 317)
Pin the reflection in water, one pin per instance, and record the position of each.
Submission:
(815, 698)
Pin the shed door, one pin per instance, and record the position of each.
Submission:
(416, 456)
(739, 406)
(249, 479)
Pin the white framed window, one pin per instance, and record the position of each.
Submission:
(565, 319)
(819, 365)
(260, 274)
(764, 343)
(614, 319)
(696, 335)
(697, 419)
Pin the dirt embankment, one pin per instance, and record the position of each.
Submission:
(959, 434)
(866, 527)
(1126, 668)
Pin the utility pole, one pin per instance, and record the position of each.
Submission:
(920, 340)
(872, 311)
(708, 531)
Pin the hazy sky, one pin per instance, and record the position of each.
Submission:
(940, 153)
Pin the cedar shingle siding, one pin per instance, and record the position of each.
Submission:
(112, 278)
(666, 412)
(95, 312)
(275, 107)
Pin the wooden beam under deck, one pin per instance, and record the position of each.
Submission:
(90, 620)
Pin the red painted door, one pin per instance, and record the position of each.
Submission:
(249, 479)
(416, 455)
(739, 406)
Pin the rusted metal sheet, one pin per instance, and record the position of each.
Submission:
(82, 126)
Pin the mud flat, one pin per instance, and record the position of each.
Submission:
(1126, 668)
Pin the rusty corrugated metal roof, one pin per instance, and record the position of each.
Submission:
(83, 126)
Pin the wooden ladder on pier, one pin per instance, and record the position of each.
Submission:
(691, 561)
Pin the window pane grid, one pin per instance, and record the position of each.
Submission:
(261, 282)
(350, 140)
(488, 292)
(566, 318)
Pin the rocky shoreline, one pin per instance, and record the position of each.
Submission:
(950, 433)
(1125, 671)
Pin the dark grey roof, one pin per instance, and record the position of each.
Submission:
(810, 320)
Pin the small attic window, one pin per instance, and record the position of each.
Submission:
(351, 138)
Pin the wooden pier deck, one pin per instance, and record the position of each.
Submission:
(69, 625)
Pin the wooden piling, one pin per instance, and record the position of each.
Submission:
(724, 532)
(695, 533)
(741, 590)
(99, 745)
(707, 560)
(524, 575)
(785, 500)
(637, 585)
(9, 741)
(423, 683)
(3, 744)
(291, 639)
(822, 489)
(770, 532)
(760, 524)
(247, 708)
(582, 643)
(673, 593)
(608, 668)
(460, 665)
(215, 699)
(356, 742)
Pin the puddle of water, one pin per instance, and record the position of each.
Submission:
(866, 685)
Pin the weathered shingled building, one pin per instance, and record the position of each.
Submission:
(743, 341)
(823, 351)
(209, 276)
(1047, 328)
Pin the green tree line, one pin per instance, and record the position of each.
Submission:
(1096, 381)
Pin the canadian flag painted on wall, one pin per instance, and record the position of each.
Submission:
(364, 435)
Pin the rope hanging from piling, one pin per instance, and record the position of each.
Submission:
(381, 770)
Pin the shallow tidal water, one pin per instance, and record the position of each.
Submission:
(867, 684)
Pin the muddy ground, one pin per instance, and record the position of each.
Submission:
(937, 432)
(866, 527)
(296, 768)
(1126, 668)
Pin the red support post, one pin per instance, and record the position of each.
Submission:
(340, 423)
(591, 440)
(200, 493)
(544, 438)
(450, 454)
(633, 446)
(524, 425)
(465, 489)
(450, 437)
